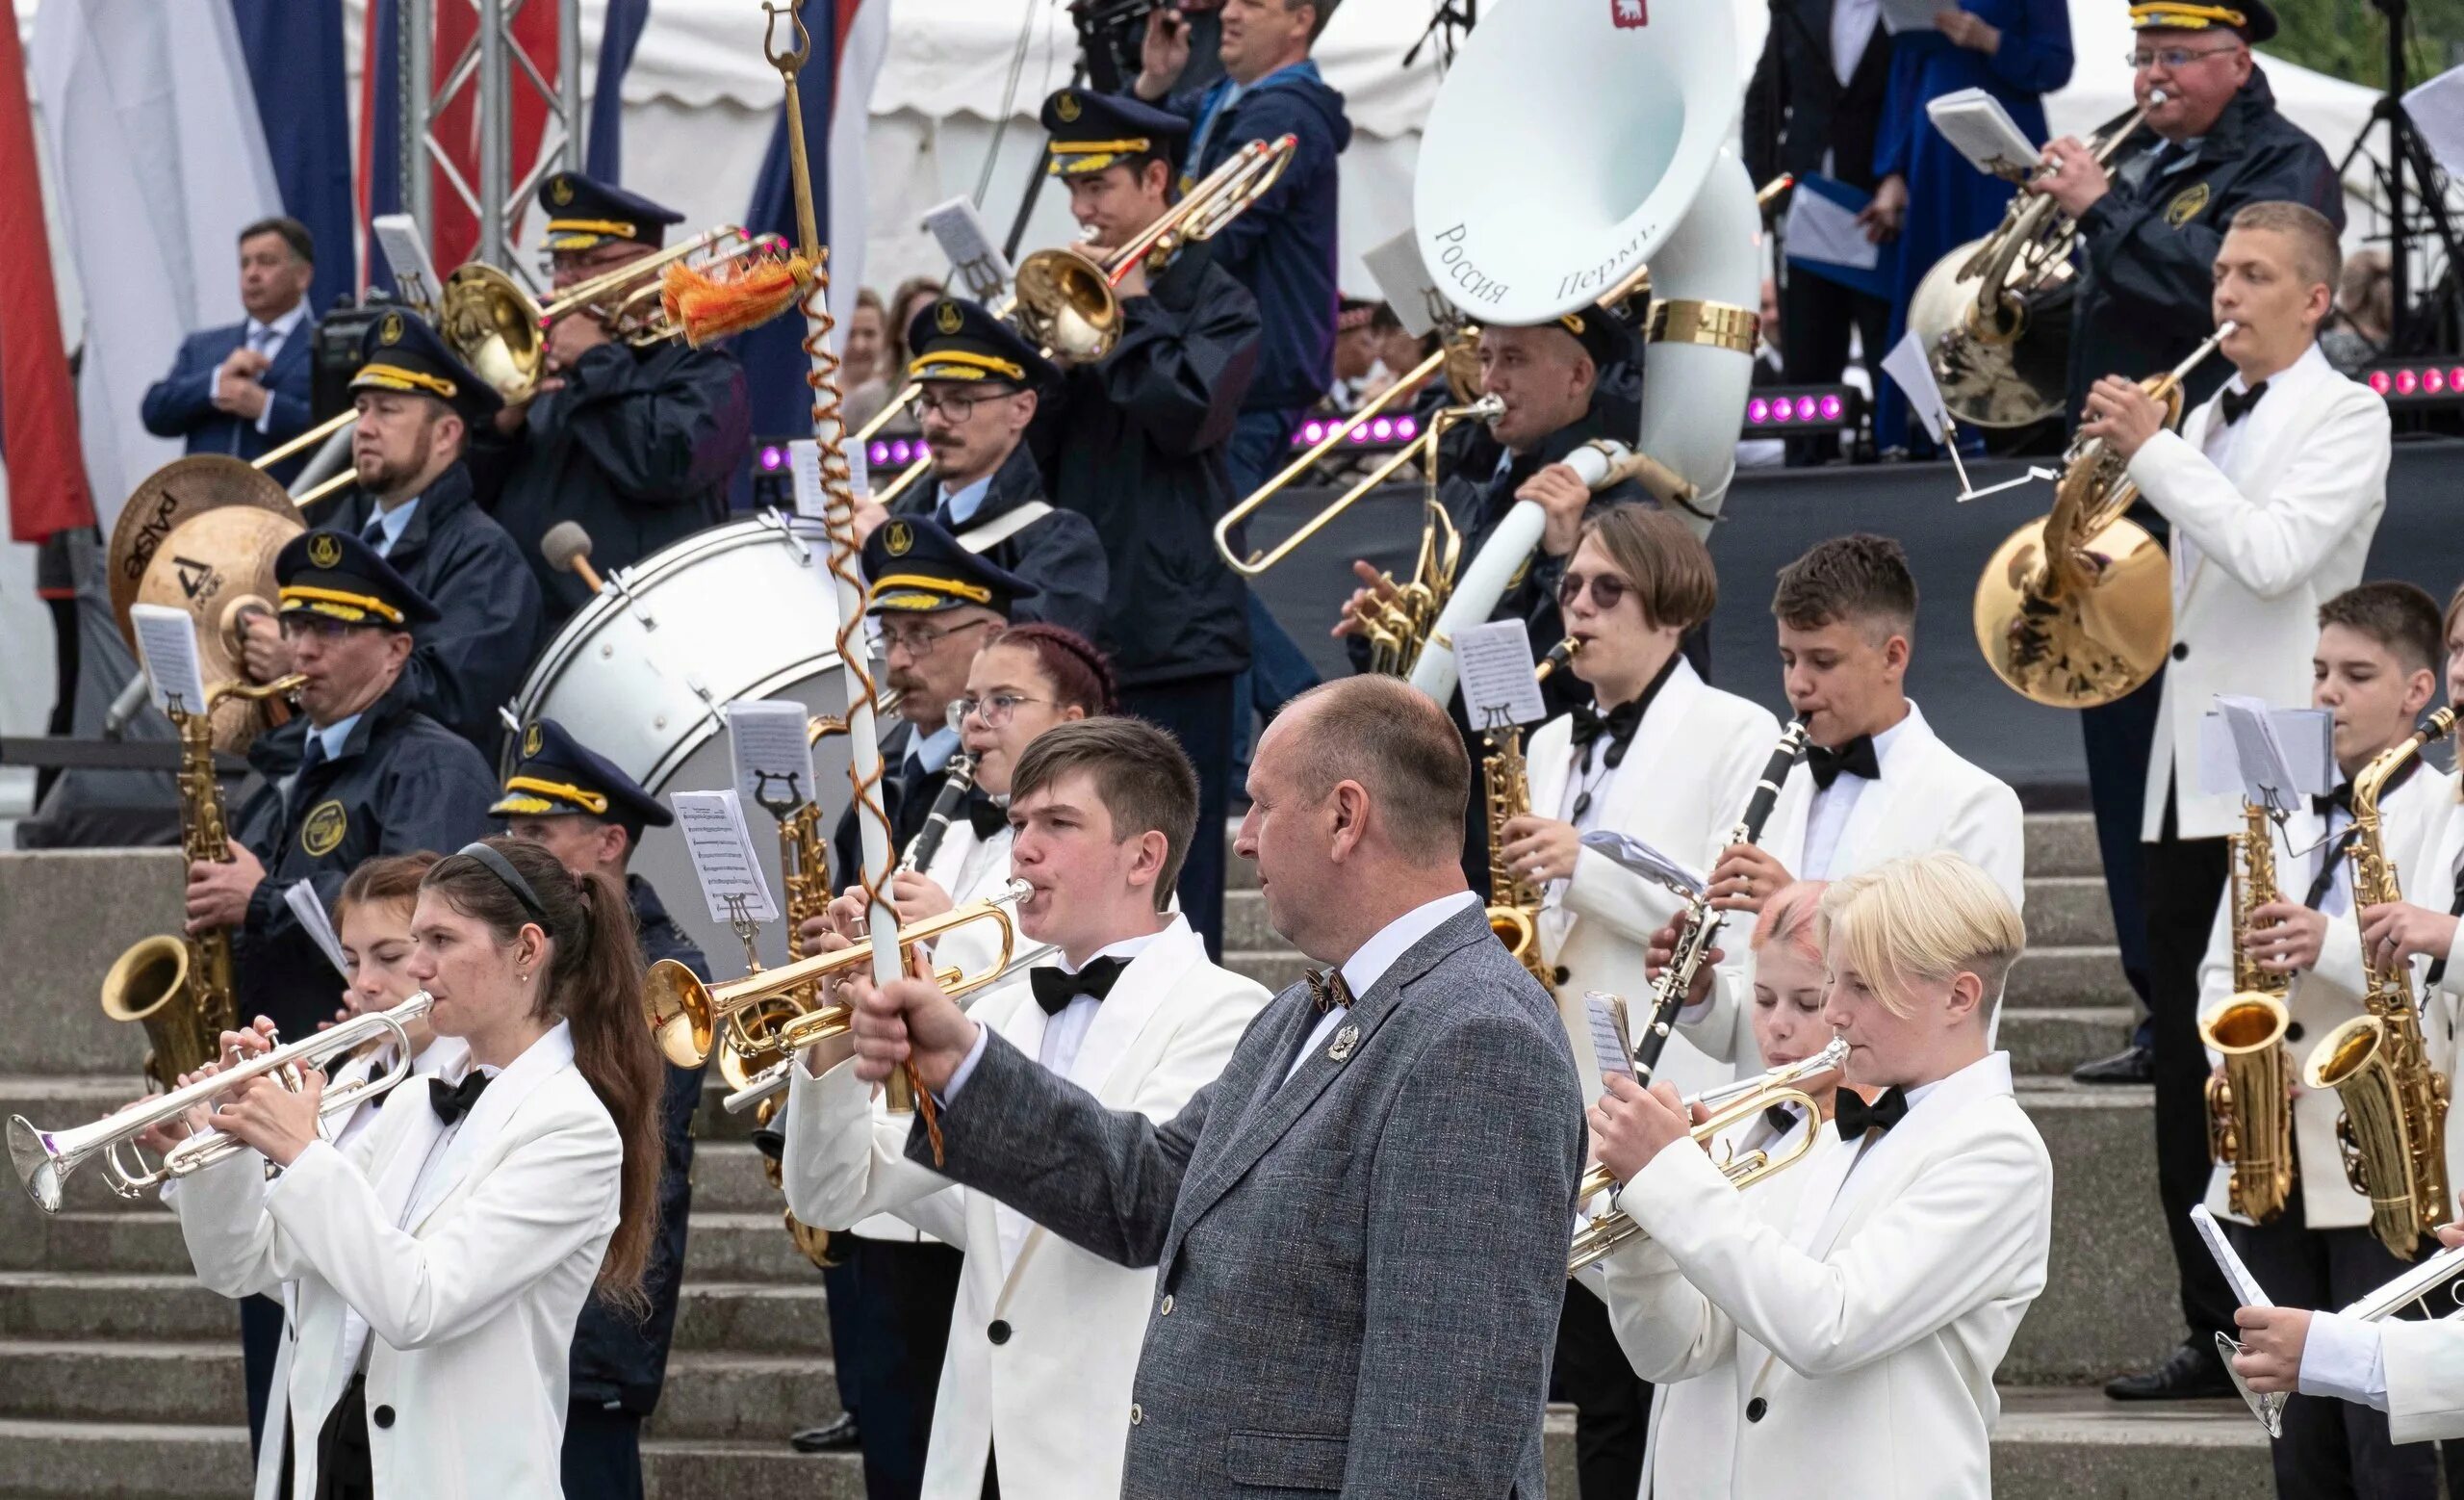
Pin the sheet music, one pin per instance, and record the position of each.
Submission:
(1640, 857)
(974, 259)
(166, 648)
(1977, 125)
(1403, 278)
(1819, 229)
(773, 750)
(1907, 364)
(1609, 1033)
(2246, 1286)
(2280, 755)
(300, 895)
(803, 467)
(1899, 16)
(1501, 686)
(712, 823)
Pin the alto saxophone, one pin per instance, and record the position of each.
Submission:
(803, 870)
(1514, 901)
(178, 985)
(2395, 1121)
(2250, 1115)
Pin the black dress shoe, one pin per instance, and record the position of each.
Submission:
(840, 1436)
(2193, 1372)
(2130, 1065)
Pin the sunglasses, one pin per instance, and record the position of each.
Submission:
(1608, 590)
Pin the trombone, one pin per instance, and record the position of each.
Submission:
(45, 1159)
(1421, 449)
(1064, 300)
(687, 1016)
(1731, 1104)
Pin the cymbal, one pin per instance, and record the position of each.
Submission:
(212, 565)
(171, 496)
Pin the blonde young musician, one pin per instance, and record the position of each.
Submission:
(437, 1266)
(1035, 1387)
(1663, 756)
(2374, 670)
(1856, 1329)
(1876, 783)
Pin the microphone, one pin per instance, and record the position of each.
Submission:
(567, 549)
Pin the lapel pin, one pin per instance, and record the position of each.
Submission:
(1344, 1041)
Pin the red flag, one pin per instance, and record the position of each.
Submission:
(455, 233)
(47, 489)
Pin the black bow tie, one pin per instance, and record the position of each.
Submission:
(2232, 406)
(1856, 756)
(1055, 989)
(1781, 1119)
(452, 1101)
(2325, 802)
(1328, 990)
(1856, 1117)
(989, 817)
(1618, 724)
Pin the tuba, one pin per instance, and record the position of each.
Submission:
(2394, 1121)
(178, 985)
(2076, 610)
(2250, 1115)
(1993, 316)
(1527, 211)
(1514, 901)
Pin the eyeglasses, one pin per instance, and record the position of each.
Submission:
(995, 710)
(1608, 590)
(323, 627)
(954, 405)
(2174, 59)
(918, 640)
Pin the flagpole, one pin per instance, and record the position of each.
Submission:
(865, 760)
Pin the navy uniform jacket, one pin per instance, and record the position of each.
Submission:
(402, 782)
(907, 802)
(618, 1360)
(181, 405)
(2149, 247)
(473, 659)
(1059, 553)
(1282, 248)
(639, 447)
(1134, 443)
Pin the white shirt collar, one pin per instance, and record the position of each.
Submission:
(1369, 962)
(1127, 949)
(282, 328)
(2312, 364)
(964, 503)
(1896, 735)
(1987, 1075)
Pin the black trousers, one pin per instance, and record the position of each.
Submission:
(260, 1346)
(2185, 879)
(1612, 1403)
(2118, 740)
(1817, 316)
(1198, 712)
(2332, 1450)
(889, 1341)
(603, 1453)
(343, 1469)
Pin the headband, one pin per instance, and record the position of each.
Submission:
(503, 869)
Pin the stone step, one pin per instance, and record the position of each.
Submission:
(2052, 1040)
(2064, 978)
(745, 1247)
(2055, 1444)
(721, 1394)
(754, 1317)
(2111, 1301)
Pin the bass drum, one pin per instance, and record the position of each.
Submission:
(643, 675)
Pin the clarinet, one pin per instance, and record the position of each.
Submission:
(1701, 923)
(937, 823)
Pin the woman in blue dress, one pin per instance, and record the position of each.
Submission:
(1928, 199)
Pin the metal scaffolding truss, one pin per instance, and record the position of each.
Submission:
(492, 66)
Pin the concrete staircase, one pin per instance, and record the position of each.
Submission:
(123, 1375)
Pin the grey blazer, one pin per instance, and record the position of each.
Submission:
(1360, 1271)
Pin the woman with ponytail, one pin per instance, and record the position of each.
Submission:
(436, 1265)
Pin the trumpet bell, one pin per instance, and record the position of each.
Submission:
(39, 1165)
(494, 325)
(2006, 368)
(681, 1019)
(1066, 305)
(2076, 642)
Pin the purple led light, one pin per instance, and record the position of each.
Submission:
(1805, 408)
(2407, 380)
(1783, 410)
(1407, 429)
(1314, 433)
(772, 456)
(1832, 407)
(1360, 434)
(2433, 381)
(1757, 411)
(1381, 431)
(2381, 382)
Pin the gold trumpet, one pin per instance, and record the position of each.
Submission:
(1064, 300)
(688, 1017)
(499, 330)
(1790, 1083)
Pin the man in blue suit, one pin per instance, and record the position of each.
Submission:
(243, 390)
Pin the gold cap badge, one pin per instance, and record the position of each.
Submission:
(324, 549)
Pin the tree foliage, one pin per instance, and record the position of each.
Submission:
(2348, 38)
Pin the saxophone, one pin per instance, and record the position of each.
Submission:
(803, 870)
(1514, 901)
(178, 985)
(2393, 1126)
(2249, 1117)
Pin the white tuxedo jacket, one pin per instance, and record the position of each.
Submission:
(1052, 1397)
(2327, 997)
(2425, 1364)
(2281, 530)
(1684, 781)
(2429, 881)
(471, 1304)
(1860, 1338)
(1928, 799)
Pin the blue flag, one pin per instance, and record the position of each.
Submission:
(295, 51)
(620, 34)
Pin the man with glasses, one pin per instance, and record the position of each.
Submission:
(637, 444)
(413, 508)
(981, 386)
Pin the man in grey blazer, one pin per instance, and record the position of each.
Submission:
(1320, 1322)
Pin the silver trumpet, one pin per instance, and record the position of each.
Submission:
(773, 1080)
(45, 1159)
(2413, 1285)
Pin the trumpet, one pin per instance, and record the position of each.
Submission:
(688, 1017)
(45, 1159)
(2413, 1284)
(1732, 1104)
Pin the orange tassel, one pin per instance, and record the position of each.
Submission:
(743, 294)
